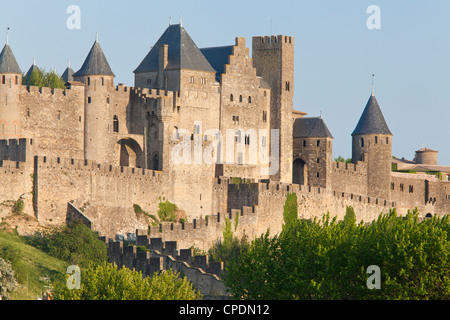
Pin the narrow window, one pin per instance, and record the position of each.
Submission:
(103, 81)
(240, 98)
(264, 116)
(362, 142)
(28, 112)
(387, 140)
(376, 140)
(318, 175)
(411, 189)
(89, 99)
(401, 187)
(115, 124)
(59, 115)
(17, 80)
(392, 186)
(304, 143)
(231, 97)
(3, 80)
(107, 100)
(318, 160)
(249, 99)
(318, 143)
(89, 81)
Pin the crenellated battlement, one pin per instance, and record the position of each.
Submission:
(14, 149)
(359, 168)
(272, 41)
(161, 256)
(77, 165)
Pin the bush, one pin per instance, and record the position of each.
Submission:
(7, 279)
(327, 259)
(75, 244)
(167, 211)
(107, 282)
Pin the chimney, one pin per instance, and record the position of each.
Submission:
(162, 64)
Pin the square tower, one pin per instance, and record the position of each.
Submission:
(273, 58)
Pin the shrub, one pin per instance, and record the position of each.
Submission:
(7, 279)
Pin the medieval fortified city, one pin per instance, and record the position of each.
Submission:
(211, 132)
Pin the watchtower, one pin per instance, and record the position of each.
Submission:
(273, 58)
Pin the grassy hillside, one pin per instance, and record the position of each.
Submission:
(29, 265)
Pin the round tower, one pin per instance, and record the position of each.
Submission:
(10, 83)
(426, 156)
(98, 79)
(372, 143)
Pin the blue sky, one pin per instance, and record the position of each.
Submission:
(335, 52)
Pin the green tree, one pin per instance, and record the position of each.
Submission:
(106, 282)
(341, 159)
(328, 259)
(7, 279)
(42, 78)
(54, 80)
(290, 209)
(75, 244)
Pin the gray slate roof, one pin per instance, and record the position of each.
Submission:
(218, 58)
(30, 71)
(372, 120)
(8, 63)
(95, 63)
(311, 128)
(67, 75)
(182, 52)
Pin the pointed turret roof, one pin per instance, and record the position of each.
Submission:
(33, 67)
(95, 63)
(67, 74)
(183, 53)
(372, 120)
(8, 63)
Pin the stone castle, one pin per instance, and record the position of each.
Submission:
(212, 130)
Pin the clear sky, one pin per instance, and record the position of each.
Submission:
(335, 52)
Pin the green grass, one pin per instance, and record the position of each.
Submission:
(29, 264)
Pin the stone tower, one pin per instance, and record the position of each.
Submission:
(273, 58)
(98, 79)
(10, 82)
(372, 143)
(313, 151)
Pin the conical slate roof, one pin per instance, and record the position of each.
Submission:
(182, 52)
(8, 63)
(372, 120)
(311, 128)
(67, 75)
(34, 67)
(95, 63)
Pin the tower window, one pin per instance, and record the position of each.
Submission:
(249, 99)
(89, 81)
(17, 80)
(362, 142)
(387, 140)
(318, 175)
(231, 97)
(392, 186)
(304, 143)
(318, 143)
(89, 100)
(3, 79)
(376, 140)
(240, 98)
(103, 81)
(411, 189)
(115, 124)
(318, 160)
(264, 116)
(401, 187)
(288, 86)
(107, 100)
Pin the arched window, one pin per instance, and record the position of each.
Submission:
(115, 124)
(240, 98)
(249, 99)
(231, 97)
